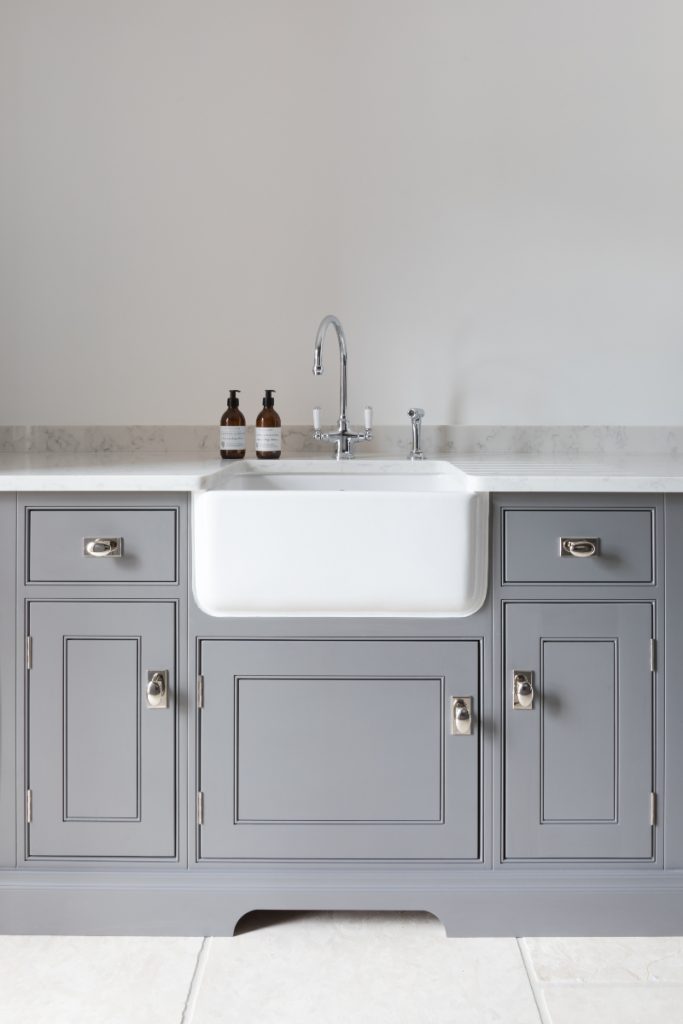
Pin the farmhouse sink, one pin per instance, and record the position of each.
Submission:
(320, 538)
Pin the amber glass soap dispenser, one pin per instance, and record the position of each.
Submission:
(268, 430)
(233, 430)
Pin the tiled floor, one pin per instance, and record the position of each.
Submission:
(334, 968)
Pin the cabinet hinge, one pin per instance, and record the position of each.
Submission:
(653, 655)
(29, 653)
(200, 692)
(29, 806)
(200, 808)
(653, 808)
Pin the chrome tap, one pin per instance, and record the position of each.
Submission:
(342, 436)
(416, 423)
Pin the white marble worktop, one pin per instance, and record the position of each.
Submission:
(138, 471)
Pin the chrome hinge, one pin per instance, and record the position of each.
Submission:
(200, 808)
(29, 806)
(653, 808)
(653, 655)
(200, 692)
(29, 653)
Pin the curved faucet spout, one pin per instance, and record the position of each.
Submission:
(318, 362)
(343, 438)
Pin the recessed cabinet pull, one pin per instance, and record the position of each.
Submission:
(522, 691)
(579, 547)
(102, 547)
(157, 689)
(461, 716)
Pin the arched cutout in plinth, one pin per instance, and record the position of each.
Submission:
(256, 920)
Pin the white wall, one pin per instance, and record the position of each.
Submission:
(487, 192)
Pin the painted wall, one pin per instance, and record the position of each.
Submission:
(487, 192)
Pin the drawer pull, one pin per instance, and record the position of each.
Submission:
(579, 547)
(103, 547)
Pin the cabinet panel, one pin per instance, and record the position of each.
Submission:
(101, 763)
(624, 540)
(337, 749)
(391, 768)
(579, 763)
(146, 545)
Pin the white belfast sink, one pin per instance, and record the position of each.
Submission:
(315, 538)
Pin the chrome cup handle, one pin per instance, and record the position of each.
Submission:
(579, 547)
(102, 547)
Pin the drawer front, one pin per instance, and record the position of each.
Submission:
(623, 539)
(142, 542)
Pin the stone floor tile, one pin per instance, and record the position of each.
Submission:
(340, 968)
(94, 980)
(613, 1004)
(615, 960)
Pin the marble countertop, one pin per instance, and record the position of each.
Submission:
(137, 471)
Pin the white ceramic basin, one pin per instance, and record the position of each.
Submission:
(368, 537)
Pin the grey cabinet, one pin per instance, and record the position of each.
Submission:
(534, 551)
(579, 762)
(100, 762)
(57, 542)
(334, 749)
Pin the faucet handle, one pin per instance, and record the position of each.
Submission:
(316, 418)
(416, 413)
(367, 414)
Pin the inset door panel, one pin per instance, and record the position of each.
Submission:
(390, 771)
(100, 760)
(579, 759)
(337, 749)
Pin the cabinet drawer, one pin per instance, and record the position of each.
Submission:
(535, 552)
(142, 542)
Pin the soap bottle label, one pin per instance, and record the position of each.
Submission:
(233, 439)
(268, 439)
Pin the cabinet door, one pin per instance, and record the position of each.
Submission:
(579, 763)
(332, 749)
(101, 763)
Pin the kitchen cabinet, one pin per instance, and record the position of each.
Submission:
(99, 609)
(579, 748)
(306, 763)
(100, 751)
(336, 749)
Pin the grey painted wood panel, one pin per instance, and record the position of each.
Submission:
(532, 545)
(672, 662)
(7, 676)
(579, 706)
(342, 745)
(589, 735)
(382, 737)
(101, 738)
(55, 545)
(100, 764)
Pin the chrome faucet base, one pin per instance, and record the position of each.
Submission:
(416, 415)
(344, 442)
